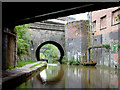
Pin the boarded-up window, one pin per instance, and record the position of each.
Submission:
(103, 22)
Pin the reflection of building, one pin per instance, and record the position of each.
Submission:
(105, 29)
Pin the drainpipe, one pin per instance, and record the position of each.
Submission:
(88, 50)
(88, 55)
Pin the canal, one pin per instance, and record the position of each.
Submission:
(73, 76)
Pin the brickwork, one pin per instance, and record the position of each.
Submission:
(77, 29)
(107, 35)
(96, 15)
(76, 35)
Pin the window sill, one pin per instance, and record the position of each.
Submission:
(103, 28)
(115, 24)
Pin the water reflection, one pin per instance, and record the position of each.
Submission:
(65, 76)
(52, 74)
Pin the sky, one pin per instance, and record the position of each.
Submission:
(81, 16)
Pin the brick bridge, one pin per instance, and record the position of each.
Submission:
(45, 33)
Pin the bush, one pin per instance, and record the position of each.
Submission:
(107, 46)
(51, 50)
(118, 47)
(22, 40)
(42, 56)
(73, 62)
(64, 60)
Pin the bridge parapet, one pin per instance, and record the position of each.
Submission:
(47, 26)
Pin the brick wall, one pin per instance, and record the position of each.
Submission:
(76, 35)
(77, 29)
(96, 15)
(108, 35)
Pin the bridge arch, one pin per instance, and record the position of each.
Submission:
(50, 42)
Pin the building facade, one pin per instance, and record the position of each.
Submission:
(106, 31)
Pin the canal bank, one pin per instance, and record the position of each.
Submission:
(14, 77)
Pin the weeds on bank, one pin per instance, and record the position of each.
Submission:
(71, 61)
(64, 60)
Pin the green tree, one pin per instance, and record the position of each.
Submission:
(22, 40)
(51, 52)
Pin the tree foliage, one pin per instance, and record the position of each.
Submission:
(42, 56)
(22, 39)
(51, 50)
(50, 53)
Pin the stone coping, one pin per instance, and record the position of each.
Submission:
(18, 75)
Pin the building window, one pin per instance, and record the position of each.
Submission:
(103, 22)
(94, 26)
(115, 17)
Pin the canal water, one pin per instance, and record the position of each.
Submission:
(73, 76)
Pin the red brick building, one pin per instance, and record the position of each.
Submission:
(105, 20)
(106, 30)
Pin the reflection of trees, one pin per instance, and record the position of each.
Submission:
(53, 74)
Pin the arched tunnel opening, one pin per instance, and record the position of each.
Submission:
(53, 43)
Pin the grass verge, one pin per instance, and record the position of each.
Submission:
(21, 63)
(36, 65)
